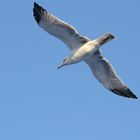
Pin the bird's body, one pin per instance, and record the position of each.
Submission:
(86, 50)
(83, 49)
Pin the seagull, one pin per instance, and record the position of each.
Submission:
(83, 49)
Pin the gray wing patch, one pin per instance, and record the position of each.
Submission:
(105, 74)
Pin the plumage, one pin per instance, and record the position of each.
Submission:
(83, 49)
(106, 75)
(58, 28)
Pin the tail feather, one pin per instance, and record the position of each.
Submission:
(105, 38)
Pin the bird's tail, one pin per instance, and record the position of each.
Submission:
(105, 38)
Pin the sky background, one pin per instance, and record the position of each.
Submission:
(40, 102)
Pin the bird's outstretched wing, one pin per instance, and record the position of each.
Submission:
(105, 74)
(58, 28)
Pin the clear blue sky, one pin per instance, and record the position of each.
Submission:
(40, 102)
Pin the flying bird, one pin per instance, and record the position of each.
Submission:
(83, 49)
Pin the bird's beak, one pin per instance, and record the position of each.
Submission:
(60, 66)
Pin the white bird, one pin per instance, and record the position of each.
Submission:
(83, 49)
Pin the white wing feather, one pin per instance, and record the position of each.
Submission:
(58, 28)
(105, 74)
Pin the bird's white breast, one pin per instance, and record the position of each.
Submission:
(85, 51)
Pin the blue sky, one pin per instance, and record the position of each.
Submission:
(40, 102)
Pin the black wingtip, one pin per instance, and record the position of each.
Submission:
(38, 11)
(35, 4)
(131, 93)
(125, 93)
